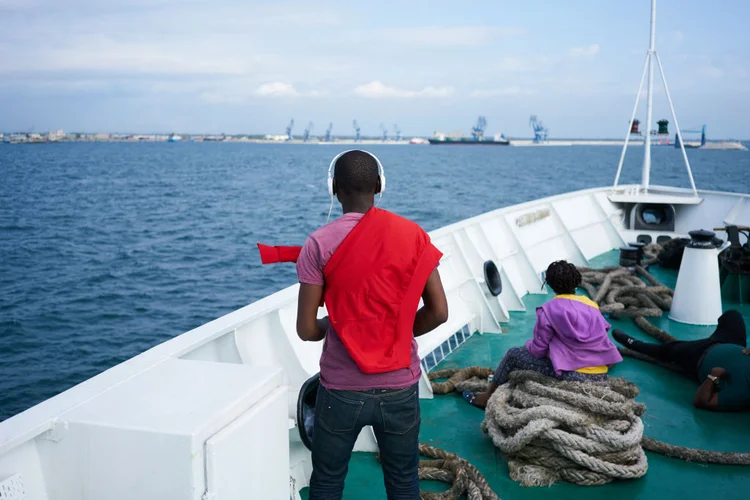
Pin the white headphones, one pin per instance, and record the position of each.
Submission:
(381, 172)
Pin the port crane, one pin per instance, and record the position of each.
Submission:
(306, 134)
(397, 131)
(477, 131)
(540, 131)
(289, 130)
(328, 132)
(385, 132)
(356, 131)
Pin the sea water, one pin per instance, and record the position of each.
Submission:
(109, 249)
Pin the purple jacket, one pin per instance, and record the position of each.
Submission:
(572, 333)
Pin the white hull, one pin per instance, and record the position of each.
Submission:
(206, 407)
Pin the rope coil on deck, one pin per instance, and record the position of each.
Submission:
(587, 433)
(623, 294)
(447, 467)
(472, 378)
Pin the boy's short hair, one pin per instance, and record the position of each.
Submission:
(356, 172)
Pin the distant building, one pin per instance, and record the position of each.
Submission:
(56, 135)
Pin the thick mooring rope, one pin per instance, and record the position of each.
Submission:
(531, 406)
(449, 468)
(651, 251)
(472, 378)
(587, 433)
(695, 454)
(621, 293)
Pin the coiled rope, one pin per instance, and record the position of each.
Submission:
(472, 378)
(623, 294)
(581, 432)
(586, 433)
(464, 478)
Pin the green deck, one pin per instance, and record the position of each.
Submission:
(450, 423)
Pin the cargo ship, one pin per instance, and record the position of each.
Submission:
(477, 137)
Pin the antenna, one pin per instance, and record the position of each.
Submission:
(648, 66)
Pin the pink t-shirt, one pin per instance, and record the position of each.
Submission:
(338, 371)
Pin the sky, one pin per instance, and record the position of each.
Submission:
(245, 67)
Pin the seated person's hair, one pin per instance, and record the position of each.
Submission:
(563, 277)
(356, 172)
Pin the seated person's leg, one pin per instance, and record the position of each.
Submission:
(516, 358)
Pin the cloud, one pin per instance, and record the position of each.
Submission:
(277, 89)
(237, 92)
(377, 90)
(454, 36)
(591, 50)
(499, 92)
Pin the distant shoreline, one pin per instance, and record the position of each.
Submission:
(638, 141)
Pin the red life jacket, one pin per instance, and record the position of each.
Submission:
(275, 254)
(373, 283)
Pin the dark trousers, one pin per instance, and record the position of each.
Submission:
(340, 416)
(686, 354)
(689, 354)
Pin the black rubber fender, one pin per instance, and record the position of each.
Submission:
(492, 278)
(306, 400)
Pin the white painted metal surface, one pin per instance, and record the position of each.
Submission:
(12, 488)
(697, 294)
(192, 407)
(237, 457)
(146, 437)
(646, 174)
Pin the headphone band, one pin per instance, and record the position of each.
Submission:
(332, 166)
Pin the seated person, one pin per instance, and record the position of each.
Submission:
(570, 338)
(721, 362)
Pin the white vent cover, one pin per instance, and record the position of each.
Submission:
(11, 488)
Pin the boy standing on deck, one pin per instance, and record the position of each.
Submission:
(370, 267)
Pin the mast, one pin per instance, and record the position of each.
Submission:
(648, 66)
(646, 174)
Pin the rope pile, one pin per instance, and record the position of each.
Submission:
(623, 294)
(652, 251)
(449, 468)
(472, 378)
(587, 433)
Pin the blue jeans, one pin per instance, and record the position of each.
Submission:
(340, 416)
